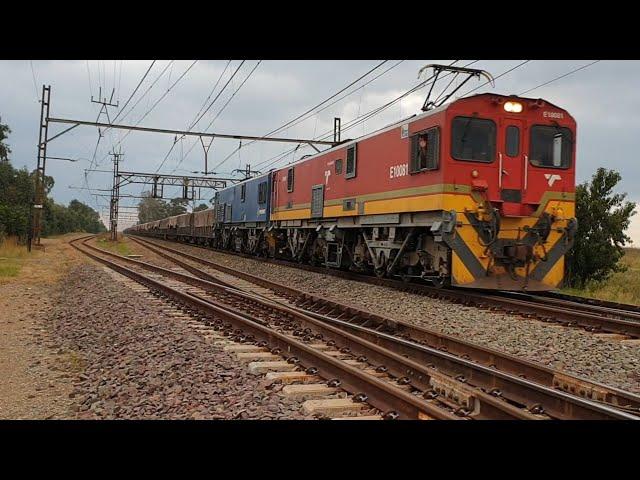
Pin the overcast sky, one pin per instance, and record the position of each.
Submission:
(603, 98)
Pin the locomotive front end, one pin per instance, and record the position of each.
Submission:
(512, 219)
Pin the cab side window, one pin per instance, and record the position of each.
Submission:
(262, 192)
(290, 180)
(425, 150)
(350, 171)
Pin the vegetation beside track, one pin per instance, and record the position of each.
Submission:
(42, 265)
(621, 287)
(11, 258)
(120, 246)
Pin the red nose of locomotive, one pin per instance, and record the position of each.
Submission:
(522, 181)
(534, 153)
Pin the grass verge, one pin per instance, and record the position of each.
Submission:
(623, 287)
(120, 247)
(12, 257)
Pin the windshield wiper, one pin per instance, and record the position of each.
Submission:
(466, 128)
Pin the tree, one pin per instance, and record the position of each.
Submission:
(4, 148)
(151, 209)
(603, 216)
(202, 206)
(177, 206)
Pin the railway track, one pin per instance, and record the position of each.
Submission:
(596, 317)
(606, 309)
(532, 390)
(250, 319)
(592, 301)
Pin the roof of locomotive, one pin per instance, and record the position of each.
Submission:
(412, 118)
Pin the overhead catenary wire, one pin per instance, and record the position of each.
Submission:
(218, 95)
(379, 109)
(225, 105)
(506, 72)
(233, 95)
(114, 75)
(561, 76)
(193, 122)
(353, 123)
(134, 91)
(89, 74)
(134, 106)
(166, 93)
(470, 91)
(120, 80)
(35, 83)
(311, 113)
(204, 112)
(137, 102)
(328, 99)
(146, 92)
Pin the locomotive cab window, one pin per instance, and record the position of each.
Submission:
(262, 192)
(290, 180)
(350, 171)
(512, 142)
(550, 146)
(425, 150)
(473, 139)
(338, 166)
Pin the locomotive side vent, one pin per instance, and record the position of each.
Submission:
(349, 204)
(317, 201)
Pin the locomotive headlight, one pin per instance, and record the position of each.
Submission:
(474, 173)
(513, 107)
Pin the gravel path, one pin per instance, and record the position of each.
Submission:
(35, 374)
(573, 350)
(136, 361)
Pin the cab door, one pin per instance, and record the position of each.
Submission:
(512, 170)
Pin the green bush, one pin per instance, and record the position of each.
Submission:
(603, 216)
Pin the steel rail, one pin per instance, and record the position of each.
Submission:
(544, 312)
(526, 392)
(575, 303)
(624, 307)
(489, 406)
(309, 304)
(381, 394)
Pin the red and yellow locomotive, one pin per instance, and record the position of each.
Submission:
(476, 193)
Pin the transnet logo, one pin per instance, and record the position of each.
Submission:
(551, 178)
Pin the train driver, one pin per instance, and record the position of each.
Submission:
(422, 151)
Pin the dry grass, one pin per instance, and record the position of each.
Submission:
(120, 246)
(12, 257)
(42, 265)
(622, 287)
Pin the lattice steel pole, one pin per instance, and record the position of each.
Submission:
(115, 197)
(39, 195)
